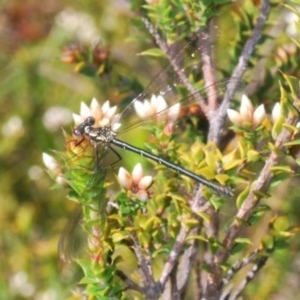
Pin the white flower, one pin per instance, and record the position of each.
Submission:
(54, 168)
(104, 115)
(276, 112)
(56, 117)
(13, 127)
(259, 115)
(247, 114)
(157, 108)
(135, 182)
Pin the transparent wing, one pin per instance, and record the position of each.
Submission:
(71, 241)
(215, 90)
(181, 81)
(176, 80)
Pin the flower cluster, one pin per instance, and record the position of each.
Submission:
(157, 108)
(136, 182)
(104, 115)
(247, 115)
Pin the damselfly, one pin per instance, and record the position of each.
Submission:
(180, 70)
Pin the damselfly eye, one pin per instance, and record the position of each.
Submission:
(89, 121)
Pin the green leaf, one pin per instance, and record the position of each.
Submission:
(268, 241)
(238, 248)
(279, 178)
(207, 172)
(206, 217)
(144, 238)
(293, 83)
(281, 169)
(160, 251)
(191, 223)
(222, 178)
(119, 236)
(243, 240)
(197, 237)
(151, 222)
(292, 143)
(155, 52)
(242, 196)
(214, 245)
(177, 197)
(253, 156)
(281, 223)
(211, 159)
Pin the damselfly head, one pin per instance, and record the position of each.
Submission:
(89, 121)
(79, 130)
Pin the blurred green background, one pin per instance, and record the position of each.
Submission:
(38, 93)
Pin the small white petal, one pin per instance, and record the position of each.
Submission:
(142, 195)
(85, 110)
(50, 162)
(95, 104)
(161, 104)
(105, 107)
(276, 112)
(110, 113)
(246, 109)
(116, 126)
(246, 102)
(96, 110)
(259, 115)
(104, 122)
(124, 178)
(174, 112)
(145, 182)
(143, 109)
(77, 119)
(61, 180)
(153, 101)
(234, 117)
(137, 173)
(139, 109)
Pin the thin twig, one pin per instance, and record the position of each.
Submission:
(238, 266)
(152, 290)
(209, 75)
(174, 255)
(175, 295)
(188, 262)
(250, 275)
(130, 283)
(226, 294)
(217, 125)
(175, 62)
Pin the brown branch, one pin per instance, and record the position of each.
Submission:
(175, 295)
(209, 75)
(174, 255)
(237, 267)
(188, 262)
(250, 275)
(219, 120)
(152, 289)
